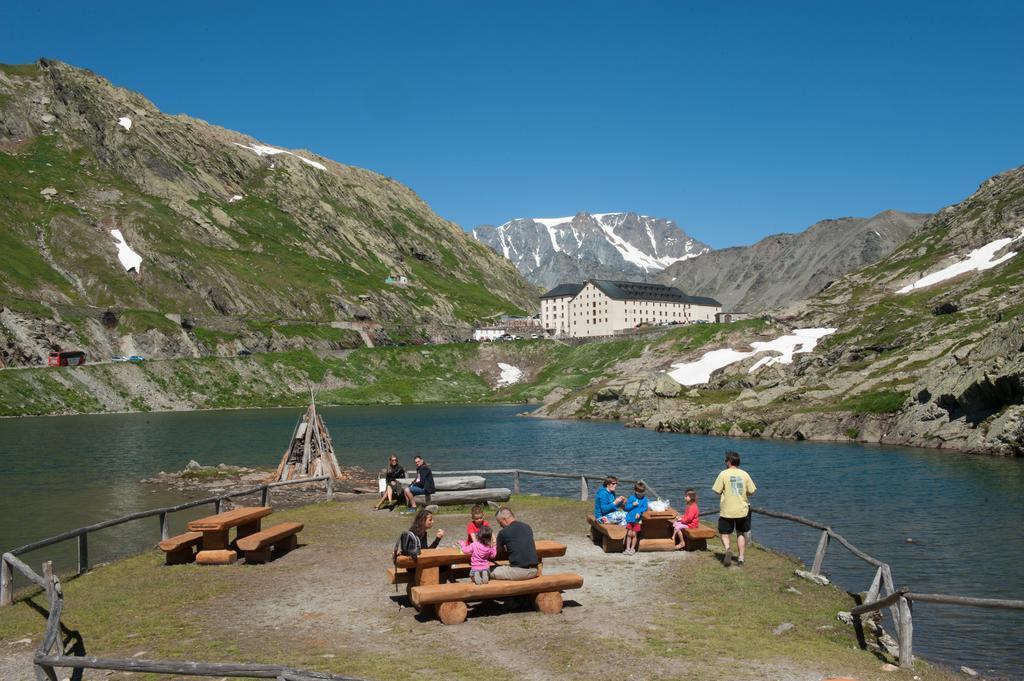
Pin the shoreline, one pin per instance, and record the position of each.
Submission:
(533, 405)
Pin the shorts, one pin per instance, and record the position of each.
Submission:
(416, 490)
(679, 526)
(740, 525)
(635, 527)
(615, 518)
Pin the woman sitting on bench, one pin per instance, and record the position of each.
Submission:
(393, 485)
(608, 508)
(414, 540)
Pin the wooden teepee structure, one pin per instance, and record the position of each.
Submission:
(310, 452)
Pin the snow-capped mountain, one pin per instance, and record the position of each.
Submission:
(549, 251)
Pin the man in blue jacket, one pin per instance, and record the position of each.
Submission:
(607, 506)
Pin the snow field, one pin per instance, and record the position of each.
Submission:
(784, 347)
(977, 260)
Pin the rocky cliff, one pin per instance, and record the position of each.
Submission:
(550, 251)
(927, 350)
(122, 227)
(783, 268)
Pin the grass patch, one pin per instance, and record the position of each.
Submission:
(884, 401)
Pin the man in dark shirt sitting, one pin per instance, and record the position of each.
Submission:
(517, 538)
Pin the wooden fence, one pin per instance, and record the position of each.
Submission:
(881, 594)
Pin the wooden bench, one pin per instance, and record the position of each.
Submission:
(697, 538)
(181, 549)
(215, 528)
(258, 547)
(610, 537)
(451, 598)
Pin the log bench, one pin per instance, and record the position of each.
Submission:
(258, 547)
(610, 537)
(451, 598)
(697, 538)
(181, 549)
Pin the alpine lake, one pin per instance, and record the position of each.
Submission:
(946, 523)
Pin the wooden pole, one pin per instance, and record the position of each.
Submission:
(906, 633)
(6, 583)
(890, 589)
(83, 553)
(876, 584)
(584, 491)
(265, 496)
(819, 555)
(515, 483)
(330, 486)
(217, 506)
(164, 529)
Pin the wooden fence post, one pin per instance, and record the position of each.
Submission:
(46, 673)
(330, 487)
(515, 483)
(906, 634)
(6, 583)
(217, 505)
(265, 496)
(819, 555)
(164, 530)
(584, 490)
(876, 585)
(83, 553)
(894, 611)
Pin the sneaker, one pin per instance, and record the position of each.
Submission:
(739, 561)
(727, 558)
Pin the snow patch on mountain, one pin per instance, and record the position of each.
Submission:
(783, 349)
(264, 150)
(977, 260)
(130, 260)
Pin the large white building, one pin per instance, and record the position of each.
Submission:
(601, 308)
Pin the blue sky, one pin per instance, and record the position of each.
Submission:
(736, 119)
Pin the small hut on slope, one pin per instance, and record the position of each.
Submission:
(310, 453)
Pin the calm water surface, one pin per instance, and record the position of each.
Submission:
(962, 512)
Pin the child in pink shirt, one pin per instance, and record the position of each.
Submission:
(690, 519)
(481, 552)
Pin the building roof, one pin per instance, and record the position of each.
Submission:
(633, 290)
(563, 290)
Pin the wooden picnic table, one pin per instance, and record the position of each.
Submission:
(430, 577)
(216, 549)
(428, 565)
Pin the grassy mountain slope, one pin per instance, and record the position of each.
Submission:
(226, 235)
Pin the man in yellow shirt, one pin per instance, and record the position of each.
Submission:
(733, 486)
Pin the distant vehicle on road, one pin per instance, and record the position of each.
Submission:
(534, 336)
(118, 358)
(244, 353)
(136, 358)
(70, 358)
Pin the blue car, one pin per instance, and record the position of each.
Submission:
(136, 358)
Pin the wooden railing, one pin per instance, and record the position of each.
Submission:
(881, 594)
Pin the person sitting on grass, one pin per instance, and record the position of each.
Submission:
(689, 520)
(481, 552)
(423, 484)
(393, 475)
(636, 506)
(414, 540)
(516, 538)
(607, 506)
